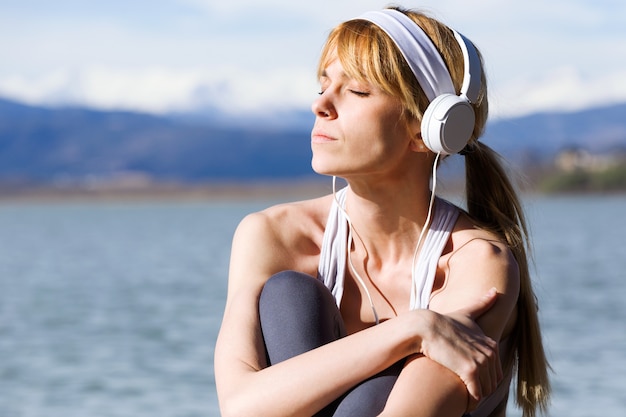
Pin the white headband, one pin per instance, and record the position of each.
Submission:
(423, 58)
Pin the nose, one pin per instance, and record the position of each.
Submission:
(322, 106)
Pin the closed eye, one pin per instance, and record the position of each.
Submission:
(360, 93)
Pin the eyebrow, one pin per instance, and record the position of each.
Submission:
(342, 75)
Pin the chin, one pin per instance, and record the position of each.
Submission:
(320, 171)
(331, 164)
(323, 167)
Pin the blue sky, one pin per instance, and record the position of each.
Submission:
(259, 56)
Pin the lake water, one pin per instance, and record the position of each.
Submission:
(112, 309)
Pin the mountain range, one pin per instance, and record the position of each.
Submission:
(46, 145)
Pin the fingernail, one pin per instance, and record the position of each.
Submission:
(492, 291)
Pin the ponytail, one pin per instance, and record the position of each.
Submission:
(493, 202)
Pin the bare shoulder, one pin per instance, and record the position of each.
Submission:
(475, 261)
(483, 250)
(285, 236)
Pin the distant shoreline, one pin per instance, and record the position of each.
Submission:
(164, 192)
(287, 191)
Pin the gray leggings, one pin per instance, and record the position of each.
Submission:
(298, 313)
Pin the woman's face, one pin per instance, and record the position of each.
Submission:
(359, 129)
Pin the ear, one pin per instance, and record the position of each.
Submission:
(415, 130)
(417, 143)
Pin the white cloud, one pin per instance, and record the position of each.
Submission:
(321, 9)
(562, 89)
(244, 55)
(161, 90)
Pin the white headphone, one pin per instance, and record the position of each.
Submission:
(448, 122)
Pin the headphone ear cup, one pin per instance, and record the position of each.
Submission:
(447, 124)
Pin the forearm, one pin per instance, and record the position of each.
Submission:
(426, 389)
(306, 383)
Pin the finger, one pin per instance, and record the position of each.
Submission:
(496, 368)
(483, 366)
(493, 373)
(480, 375)
(493, 368)
(474, 396)
(482, 305)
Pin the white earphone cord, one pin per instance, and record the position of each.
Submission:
(431, 204)
(352, 268)
(419, 240)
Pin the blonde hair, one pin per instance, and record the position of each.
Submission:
(367, 54)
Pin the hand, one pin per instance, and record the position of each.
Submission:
(458, 343)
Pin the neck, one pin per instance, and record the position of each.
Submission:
(388, 212)
(387, 219)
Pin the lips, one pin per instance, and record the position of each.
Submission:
(321, 137)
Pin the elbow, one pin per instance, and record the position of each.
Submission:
(233, 408)
(237, 396)
(229, 411)
(236, 405)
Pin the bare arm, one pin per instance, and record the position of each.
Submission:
(427, 386)
(304, 384)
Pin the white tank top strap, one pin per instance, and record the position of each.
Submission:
(334, 251)
(443, 221)
(333, 259)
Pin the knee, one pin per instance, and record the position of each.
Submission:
(289, 283)
(292, 290)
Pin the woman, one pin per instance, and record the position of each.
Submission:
(381, 299)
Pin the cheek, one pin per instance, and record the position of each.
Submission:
(388, 136)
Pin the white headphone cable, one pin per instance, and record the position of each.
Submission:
(352, 268)
(419, 240)
(426, 224)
